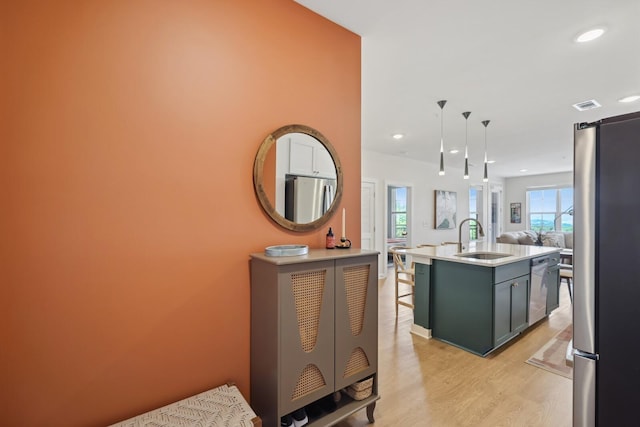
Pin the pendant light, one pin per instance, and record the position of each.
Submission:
(466, 115)
(441, 104)
(486, 167)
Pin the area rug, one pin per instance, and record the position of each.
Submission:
(552, 355)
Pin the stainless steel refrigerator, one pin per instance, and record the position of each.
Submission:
(307, 198)
(606, 294)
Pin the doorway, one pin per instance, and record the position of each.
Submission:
(485, 205)
(495, 209)
(476, 210)
(398, 221)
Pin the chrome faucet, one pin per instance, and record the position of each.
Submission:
(480, 231)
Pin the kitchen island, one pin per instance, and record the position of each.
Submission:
(485, 296)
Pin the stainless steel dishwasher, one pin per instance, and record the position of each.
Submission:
(539, 289)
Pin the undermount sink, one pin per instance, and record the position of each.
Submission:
(482, 255)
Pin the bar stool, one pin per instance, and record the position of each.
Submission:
(405, 275)
(566, 273)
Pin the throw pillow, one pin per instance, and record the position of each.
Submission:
(527, 239)
(555, 240)
(508, 238)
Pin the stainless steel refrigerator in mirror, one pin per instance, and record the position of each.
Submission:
(306, 199)
(606, 294)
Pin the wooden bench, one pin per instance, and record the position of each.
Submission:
(222, 406)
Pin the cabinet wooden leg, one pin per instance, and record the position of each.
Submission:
(370, 409)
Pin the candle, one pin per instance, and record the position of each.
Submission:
(344, 210)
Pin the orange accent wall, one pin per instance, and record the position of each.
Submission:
(129, 130)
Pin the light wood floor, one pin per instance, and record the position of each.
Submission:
(427, 382)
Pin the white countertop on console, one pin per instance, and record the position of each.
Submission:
(314, 255)
(447, 253)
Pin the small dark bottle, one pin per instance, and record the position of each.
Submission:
(331, 239)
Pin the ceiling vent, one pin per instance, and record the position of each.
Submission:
(586, 105)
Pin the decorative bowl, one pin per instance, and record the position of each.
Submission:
(286, 250)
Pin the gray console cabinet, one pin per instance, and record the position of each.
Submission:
(314, 330)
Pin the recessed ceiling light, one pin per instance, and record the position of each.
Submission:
(523, 170)
(630, 98)
(454, 151)
(586, 105)
(491, 161)
(397, 136)
(590, 35)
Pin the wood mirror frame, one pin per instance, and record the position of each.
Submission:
(259, 176)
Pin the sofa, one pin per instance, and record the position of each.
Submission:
(557, 239)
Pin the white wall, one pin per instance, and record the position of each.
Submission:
(516, 192)
(423, 178)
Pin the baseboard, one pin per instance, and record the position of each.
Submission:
(420, 331)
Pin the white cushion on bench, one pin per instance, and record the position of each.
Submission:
(222, 406)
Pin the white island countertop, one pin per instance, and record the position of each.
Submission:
(515, 253)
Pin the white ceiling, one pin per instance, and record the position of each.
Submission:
(512, 62)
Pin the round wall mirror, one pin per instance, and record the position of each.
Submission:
(298, 178)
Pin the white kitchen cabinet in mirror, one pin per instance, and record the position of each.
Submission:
(308, 157)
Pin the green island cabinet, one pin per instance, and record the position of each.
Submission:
(478, 308)
(314, 331)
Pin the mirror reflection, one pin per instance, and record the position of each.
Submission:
(306, 178)
(297, 177)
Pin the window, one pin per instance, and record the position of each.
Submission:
(550, 209)
(397, 212)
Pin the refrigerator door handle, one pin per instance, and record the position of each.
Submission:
(584, 232)
(590, 356)
(584, 391)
